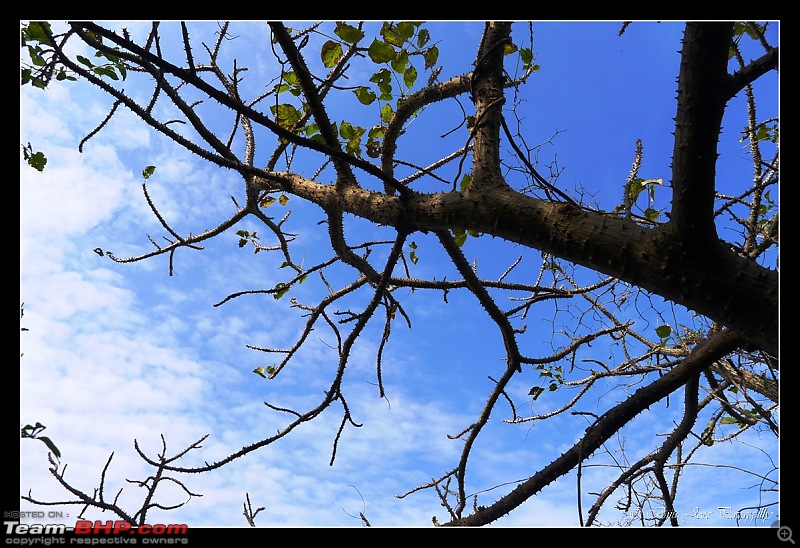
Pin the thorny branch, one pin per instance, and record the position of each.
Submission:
(98, 498)
(598, 307)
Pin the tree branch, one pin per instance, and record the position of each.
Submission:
(703, 83)
(609, 423)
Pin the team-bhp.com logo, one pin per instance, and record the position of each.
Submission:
(93, 532)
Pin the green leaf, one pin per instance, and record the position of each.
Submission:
(331, 53)
(460, 236)
(391, 36)
(106, 71)
(266, 201)
(640, 184)
(526, 55)
(365, 95)
(405, 29)
(35, 53)
(311, 129)
(423, 37)
(465, 181)
(387, 113)
(281, 289)
(410, 77)
(349, 131)
(35, 31)
(431, 56)
(652, 214)
(380, 52)
(348, 33)
(384, 80)
(728, 420)
(30, 431)
(283, 199)
(383, 76)
(400, 61)
(37, 161)
(85, 61)
(286, 115)
(536, 391)
(260, 371)
(50, 445)
(353, 146)
(663, 331)
(148, 171)
(353, 136)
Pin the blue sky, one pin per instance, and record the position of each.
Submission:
(121, 352)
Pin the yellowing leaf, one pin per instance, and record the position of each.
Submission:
(331, 53)
(460, 236)
(509, 48)
(348, 33)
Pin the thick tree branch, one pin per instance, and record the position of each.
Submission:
(607, 424)
(751, 72)
(702, 94)
(488, 81)
(732, 290)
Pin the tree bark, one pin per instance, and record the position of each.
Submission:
(715, 282)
